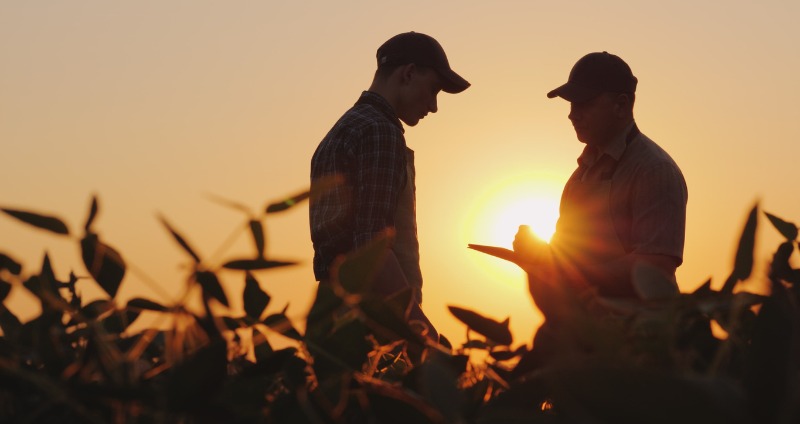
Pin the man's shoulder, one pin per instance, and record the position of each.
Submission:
(363, 116)
(362, 124)
(645, 162)
(647, 153)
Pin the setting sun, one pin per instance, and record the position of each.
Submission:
(523, 199)
(540, 213)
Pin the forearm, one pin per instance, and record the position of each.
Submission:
(616, 278)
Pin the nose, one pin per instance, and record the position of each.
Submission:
(573, 113)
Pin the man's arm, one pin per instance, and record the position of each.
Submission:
(549, 275)
(657, 232)
(658, 199)
(658, 213)
(609, 275)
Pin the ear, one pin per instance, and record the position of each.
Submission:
(407, 72)
(622, 105)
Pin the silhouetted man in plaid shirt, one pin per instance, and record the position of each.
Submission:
(367, 150)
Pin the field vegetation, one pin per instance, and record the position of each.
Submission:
(360, 361)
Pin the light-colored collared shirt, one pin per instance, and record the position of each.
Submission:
(599, 162)
(648, 193)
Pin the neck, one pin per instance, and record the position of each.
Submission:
(385, 91)
(616, 132)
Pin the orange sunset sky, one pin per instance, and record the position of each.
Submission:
(154, 105)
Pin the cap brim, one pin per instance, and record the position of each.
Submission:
(572, 92)
(452, 82)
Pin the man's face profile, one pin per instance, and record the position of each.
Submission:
(594, 120)
(418, 94)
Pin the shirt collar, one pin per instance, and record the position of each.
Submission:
(614, 149)
(378, 102)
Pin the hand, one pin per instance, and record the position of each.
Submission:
(539, 267)
(529, 246)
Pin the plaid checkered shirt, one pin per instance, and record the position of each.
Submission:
(366, 149)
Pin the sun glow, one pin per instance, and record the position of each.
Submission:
(497, 214)
(540, 213)
(525, 200)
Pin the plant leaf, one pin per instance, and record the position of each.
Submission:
(233, 323)
(97, 308)
(744, 300)
(44, 222)
(92, 214)
(321, 186)
(258, 236)
(438, 385)
(10, 324)
(255, 264)
(388, 322)
(345, 348)
(196, 380)
(459, 363)
(496, 331)
(104, 263)
(261, 347)
(11, 265)
(504, 355)
(288, 203)
(717, 303)
(211, 287)
(704, 289)
(146, 304)
(320, 319)
(5, 289)
(400, 302)
(281, 324)
(616, 394)
(255, 299)
(743, 264)
(475, 344)
(119, 321)
(229, 203)
(356, 271)
(780, 267)
(180, 240)
(787, 229)
(771, 354)
(45, 286)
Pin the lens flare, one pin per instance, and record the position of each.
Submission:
(498, 212)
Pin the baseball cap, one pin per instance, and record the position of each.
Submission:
(596, 73)
(422, 50)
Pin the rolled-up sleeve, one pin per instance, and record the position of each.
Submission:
(658, 212)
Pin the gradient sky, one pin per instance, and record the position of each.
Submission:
(153, 105)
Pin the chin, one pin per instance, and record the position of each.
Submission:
(583, 138)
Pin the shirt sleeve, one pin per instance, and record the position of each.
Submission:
(379, 178)
(658, 210)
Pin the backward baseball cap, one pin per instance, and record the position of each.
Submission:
(422, 50)
(596, 73)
